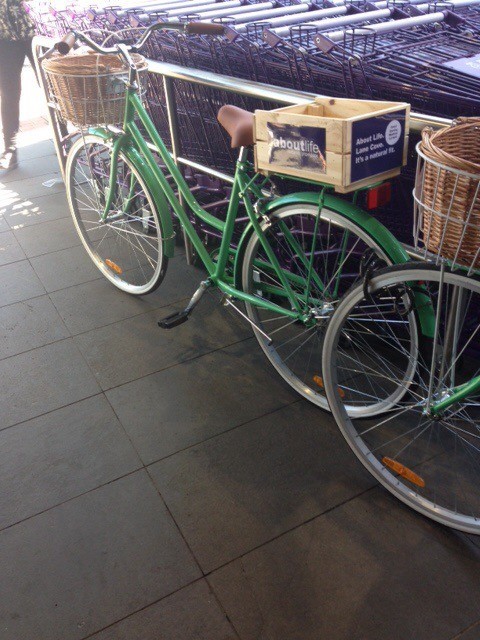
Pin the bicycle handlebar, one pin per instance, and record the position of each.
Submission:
(64, 45)
(205, 28)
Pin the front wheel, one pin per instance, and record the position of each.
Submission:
(127, 247)
(337, 249)
(429, 460)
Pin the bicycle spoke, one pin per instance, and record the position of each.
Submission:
(127, 244)
(430, 460)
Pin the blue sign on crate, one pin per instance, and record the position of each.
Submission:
(377, 145)
(296, 147)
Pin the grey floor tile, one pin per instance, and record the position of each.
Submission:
(36, 150)
(60, 455)
(190, 614)
(133, 348)
(28, 325)
(3, 222)
(188, 403)
(370, 569)
(96, 304)
(34, 187)
(235, 492)
(8, 197)
(32, 168)
(24, 212)
(10, 250)
(18, 282)
(66, 268)
(43, 380)
(472, 633)
(89, 562)
(49, 236)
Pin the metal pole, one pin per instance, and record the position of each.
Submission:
(251, 88)
(174, 135)
(52, 111)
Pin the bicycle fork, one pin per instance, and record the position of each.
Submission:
(435, 408)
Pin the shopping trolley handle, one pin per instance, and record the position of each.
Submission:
(67, 43)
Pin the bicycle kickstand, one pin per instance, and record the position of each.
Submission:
(180, 317)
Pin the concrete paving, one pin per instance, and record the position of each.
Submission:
(170, 485)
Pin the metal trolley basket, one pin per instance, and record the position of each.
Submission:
(447, 193)
(89, 89)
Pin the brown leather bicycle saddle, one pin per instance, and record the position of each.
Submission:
(238, 123)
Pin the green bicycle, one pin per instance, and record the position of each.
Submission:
(296, 257)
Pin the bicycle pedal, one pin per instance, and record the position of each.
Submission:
(174, 320)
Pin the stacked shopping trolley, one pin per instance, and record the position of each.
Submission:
(427, 54)
(389, 49)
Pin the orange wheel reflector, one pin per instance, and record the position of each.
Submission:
(319, 380)
(404, 471)
(113, 266)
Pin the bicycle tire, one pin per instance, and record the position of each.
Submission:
(128, 249)
(431, 463)
(333, 228)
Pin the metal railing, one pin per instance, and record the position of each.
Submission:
(250, 88)
(172, 72)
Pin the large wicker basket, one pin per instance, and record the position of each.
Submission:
(447, 192)
(90, 89)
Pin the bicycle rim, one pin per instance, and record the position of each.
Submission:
(127, 248)
(430, 463)
(339, 250)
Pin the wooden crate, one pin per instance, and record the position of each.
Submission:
(342, 142)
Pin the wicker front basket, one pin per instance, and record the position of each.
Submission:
(448, 192)
(90, 89)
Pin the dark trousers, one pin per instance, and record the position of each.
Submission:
(12, 57)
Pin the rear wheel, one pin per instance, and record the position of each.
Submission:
(340, 250)
(128, 246)
(429, 461)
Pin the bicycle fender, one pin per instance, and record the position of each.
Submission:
(385, 238)
(375, 229)
(161, 203)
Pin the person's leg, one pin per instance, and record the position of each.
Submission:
(12, 56)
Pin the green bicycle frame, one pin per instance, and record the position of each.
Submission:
(245, 188)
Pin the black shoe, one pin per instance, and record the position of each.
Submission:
(8, 160)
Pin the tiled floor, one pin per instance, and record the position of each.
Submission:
(169, 486)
